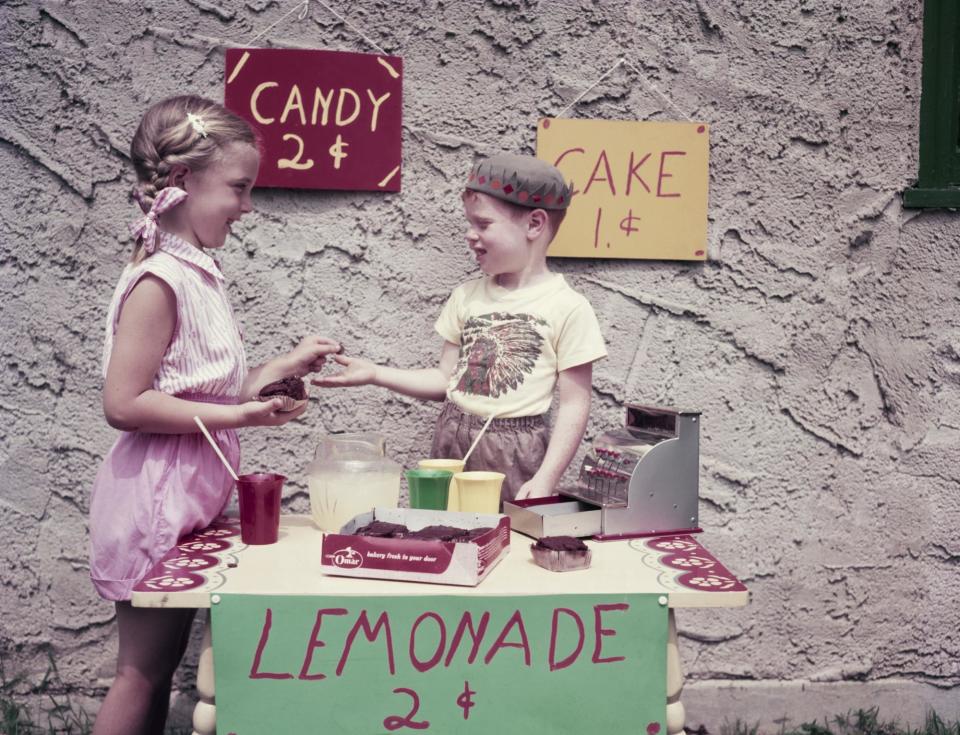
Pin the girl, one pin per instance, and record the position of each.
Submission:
(173, 351)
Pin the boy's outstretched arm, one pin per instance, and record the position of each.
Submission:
(426, 383)
(574, 386)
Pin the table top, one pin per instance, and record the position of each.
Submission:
(215, 560)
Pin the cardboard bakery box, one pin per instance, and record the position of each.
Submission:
(417, 560)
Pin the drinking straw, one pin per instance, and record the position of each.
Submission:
(216, 448)
(475, 441)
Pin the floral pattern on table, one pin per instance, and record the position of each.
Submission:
(694, 567)
(197, 561)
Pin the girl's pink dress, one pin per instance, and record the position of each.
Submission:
(153, 488)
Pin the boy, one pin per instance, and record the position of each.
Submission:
(509, 337)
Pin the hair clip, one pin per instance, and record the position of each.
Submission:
(196, 122)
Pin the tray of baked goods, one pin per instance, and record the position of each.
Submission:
(413, 545)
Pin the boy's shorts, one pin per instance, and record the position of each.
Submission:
(516, 447)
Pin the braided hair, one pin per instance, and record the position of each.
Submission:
(166, 137)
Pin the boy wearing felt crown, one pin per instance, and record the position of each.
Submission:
(510, 337)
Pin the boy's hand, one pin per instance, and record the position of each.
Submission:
(267, 413)
(310, 354)
(356, 371)
(535, 488)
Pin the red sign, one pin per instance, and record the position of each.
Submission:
(329, 119)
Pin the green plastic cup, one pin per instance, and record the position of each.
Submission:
(429, 488)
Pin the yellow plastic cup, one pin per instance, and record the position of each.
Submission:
(479, 491)
(452, 465)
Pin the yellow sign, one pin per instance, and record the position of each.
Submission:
(640, 188)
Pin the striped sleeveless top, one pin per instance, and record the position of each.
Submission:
(205, 358)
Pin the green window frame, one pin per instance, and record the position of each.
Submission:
(939, 180)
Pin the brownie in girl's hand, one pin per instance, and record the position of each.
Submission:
(291, 390)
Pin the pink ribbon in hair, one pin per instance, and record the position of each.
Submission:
(145, 231)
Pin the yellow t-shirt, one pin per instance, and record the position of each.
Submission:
(513, 343)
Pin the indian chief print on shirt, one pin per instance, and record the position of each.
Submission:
(497, 351)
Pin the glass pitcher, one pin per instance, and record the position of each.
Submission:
(350, 474)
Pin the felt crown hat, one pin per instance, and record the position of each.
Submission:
(522, 180)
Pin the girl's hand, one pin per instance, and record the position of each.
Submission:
(306, 357)
(267, 413)
(357, 371)
(310, 354)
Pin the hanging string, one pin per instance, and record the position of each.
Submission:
(303, 14)
(352, 27)
(610, 71)
(304, 8)
(648, 83)
(643, 80)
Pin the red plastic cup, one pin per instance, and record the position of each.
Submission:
(259, 497)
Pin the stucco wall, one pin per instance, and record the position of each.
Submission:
(821, 339)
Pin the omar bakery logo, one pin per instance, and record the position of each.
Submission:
(348, 558)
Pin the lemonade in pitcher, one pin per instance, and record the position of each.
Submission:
(349, 475)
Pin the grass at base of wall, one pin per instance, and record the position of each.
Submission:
(856, 722)
(59, 713)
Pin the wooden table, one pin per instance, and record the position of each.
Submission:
(214, 560)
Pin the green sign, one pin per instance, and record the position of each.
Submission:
(567, 664)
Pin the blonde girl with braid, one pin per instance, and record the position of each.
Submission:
(172, 351)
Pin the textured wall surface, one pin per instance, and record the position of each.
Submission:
(821, 339)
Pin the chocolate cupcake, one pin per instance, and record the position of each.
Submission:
(561, 553)
(291, 390)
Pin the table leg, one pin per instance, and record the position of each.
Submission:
(205, 713)
(675, 714)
